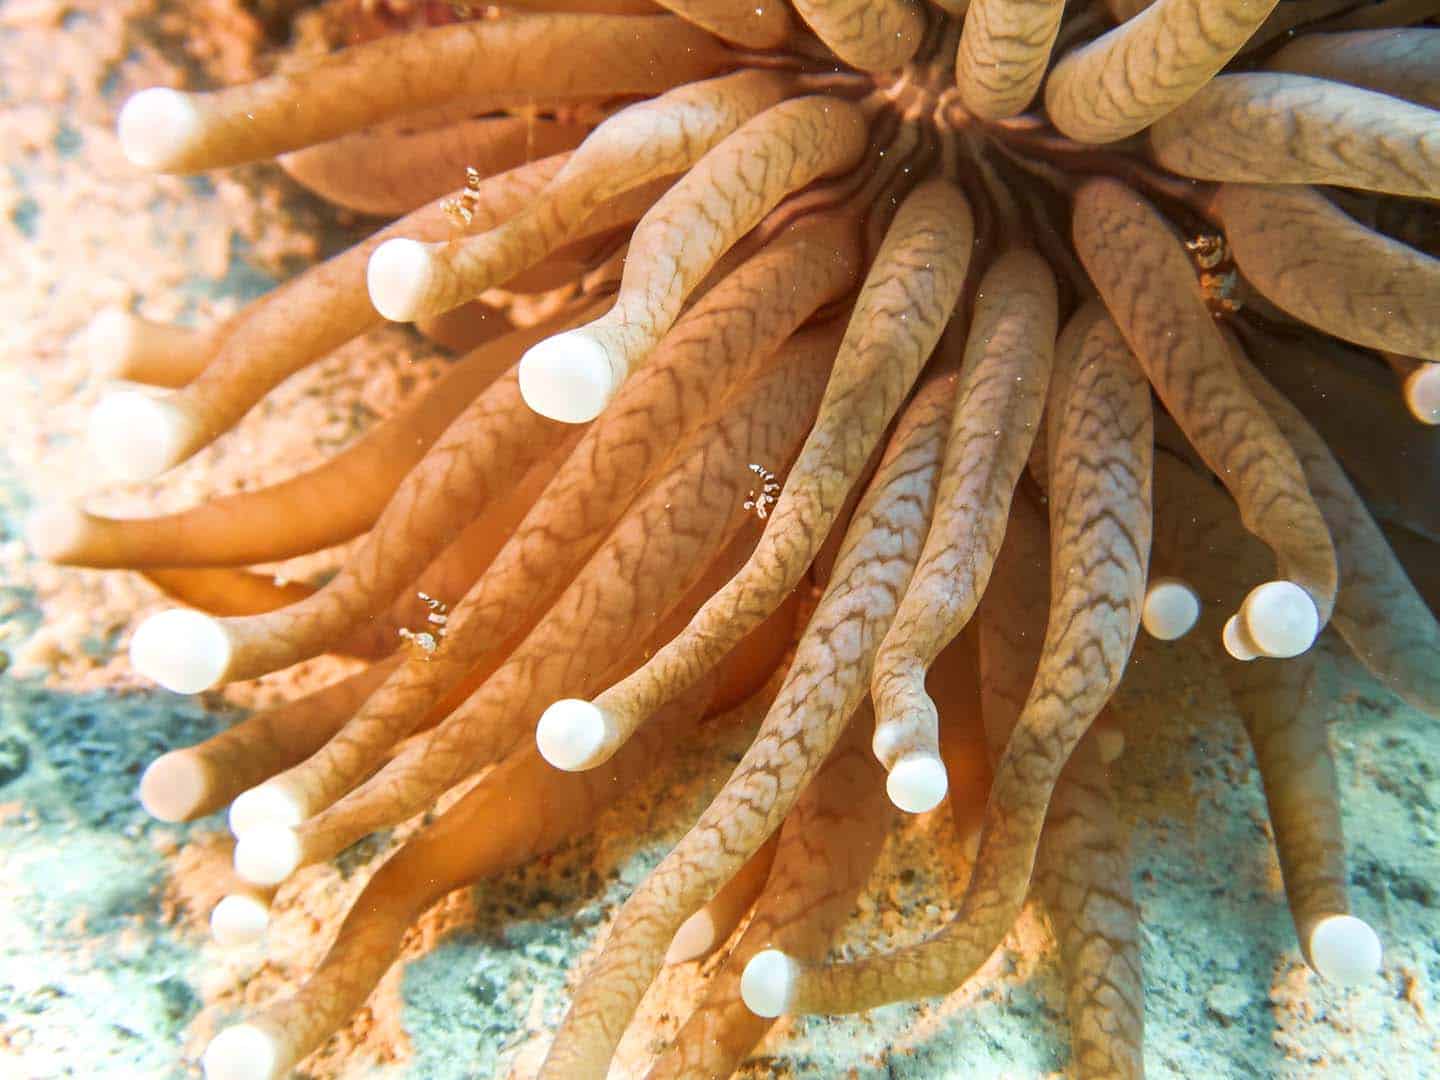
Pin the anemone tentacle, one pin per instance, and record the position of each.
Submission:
(851, 296)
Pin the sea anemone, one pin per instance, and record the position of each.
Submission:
(806, 338)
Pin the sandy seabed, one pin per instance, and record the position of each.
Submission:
(105, 964)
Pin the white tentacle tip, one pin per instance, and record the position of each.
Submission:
(135, 436)
(173, 786)
(182, 650)
(1344, 950)
(1237, 642)
(1422, 393)
(768, 983)
(157, 126)
(570, 377)
(267, 854)
(571, 734)
(918, 782)
(398, 276)
(54, 531)
(242, 1052)
(239, 919)
(1280, 618)
(269, 804)
(1171, 609)
(109, 341)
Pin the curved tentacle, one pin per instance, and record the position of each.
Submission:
(1099, 444)
(825, 683)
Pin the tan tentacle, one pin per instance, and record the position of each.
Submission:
(482, 450)
(1351, 401)
(517, 56)
(1318, 264)
(1127, 79)
(573, 376)
(335, 501)
(667, 547)
(119, 345)
(997, 415)
(640, 144)
(189, 783)
(712, 925)
(1100, 442)
(1377, 611)
(755, 24)
(139, 437)
(1081, 865)
(826, 682)
(479, 837)
(914, 281)
(872, 35)
(1082, 872)
(826, 850)
(1284, 713)
(1004, 51)
(1283, 709)
(1399, 61)
(393, 170)
(714, 346)
(1274, 128)
(1144, 276)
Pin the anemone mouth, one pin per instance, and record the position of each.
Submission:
(830, 353)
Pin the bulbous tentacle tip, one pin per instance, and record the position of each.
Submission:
(1422, 393)
(269, 804)
(182, 650)
(398, 276)
(569, 377)
(918, 782)
(768, 983)
(571, 734)
(54, 531)
(1171, 609)
(1280, 618)
(135, 436)
(157, 126)
(1237, 642)
(1344, 950)
(239, 920)
(108, 341)
(173, 786)
(267, 854)
(694, 939)
(1109, 744)
(242, 1052)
